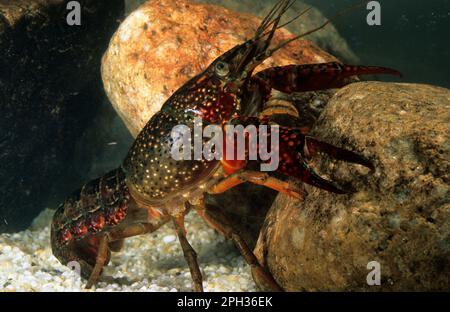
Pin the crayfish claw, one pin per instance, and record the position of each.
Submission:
(313, 146)
(310, 177)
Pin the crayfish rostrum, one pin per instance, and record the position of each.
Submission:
(152, 188)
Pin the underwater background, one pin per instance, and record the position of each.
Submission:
(413, 37)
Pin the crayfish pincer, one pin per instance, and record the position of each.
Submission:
(154, 185)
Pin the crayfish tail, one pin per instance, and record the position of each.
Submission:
(95, 208)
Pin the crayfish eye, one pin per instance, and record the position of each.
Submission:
(222, 69)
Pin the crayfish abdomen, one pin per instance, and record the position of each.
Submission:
(98, 206)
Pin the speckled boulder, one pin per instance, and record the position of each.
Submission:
(400, 214)
(327, 39)
(165, 42)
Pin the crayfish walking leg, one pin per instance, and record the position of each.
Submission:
(217, 220)
(257, 177)
(189, 254)
(113, 241)
(102, 254)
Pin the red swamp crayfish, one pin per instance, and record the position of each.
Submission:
(151, 188)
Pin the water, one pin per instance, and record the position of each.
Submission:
(413, 37)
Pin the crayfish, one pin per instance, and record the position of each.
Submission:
(151, 188)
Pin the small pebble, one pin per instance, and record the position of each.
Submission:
(169, 238)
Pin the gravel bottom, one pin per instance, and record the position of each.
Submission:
(152, 262)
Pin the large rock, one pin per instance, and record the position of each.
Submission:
(400, 214)
(50, 88)
(327, 39)
(163, 44)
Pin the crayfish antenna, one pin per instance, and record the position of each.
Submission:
(339, 14)
(273, 16)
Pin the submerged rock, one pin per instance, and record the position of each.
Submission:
(328, 39)
(399, 215)
(49, 90)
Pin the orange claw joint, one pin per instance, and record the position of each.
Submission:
(231, 164)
